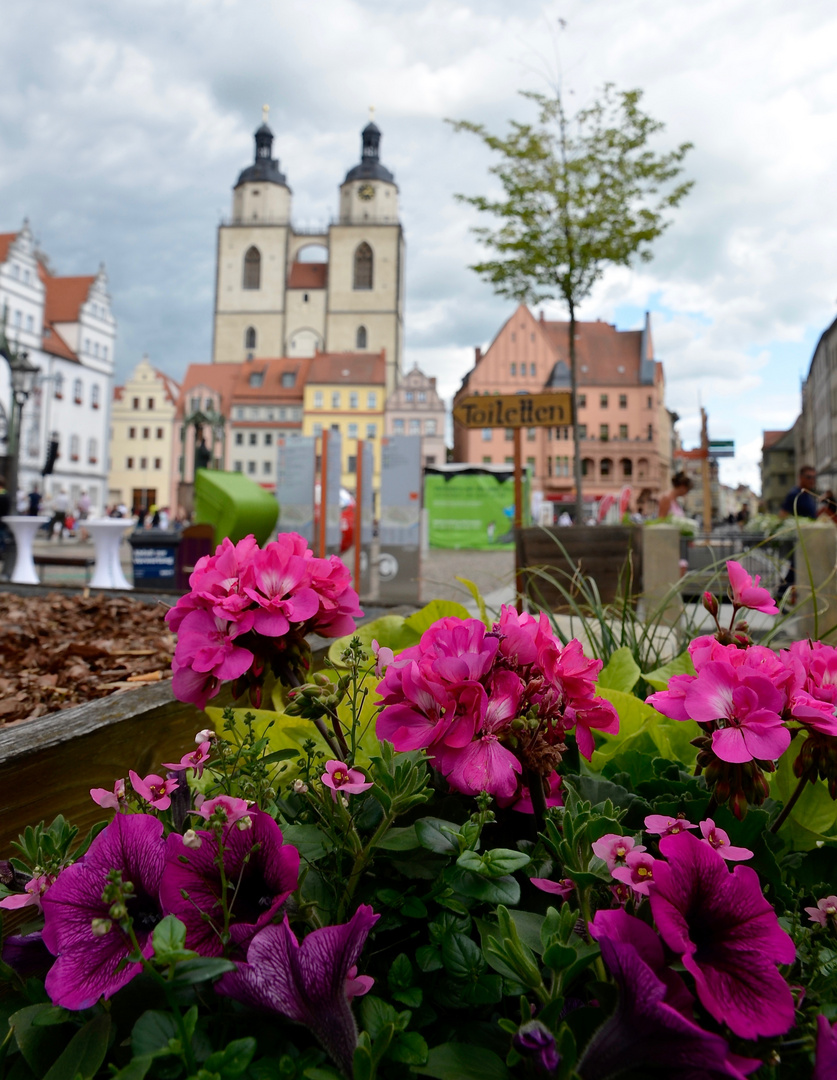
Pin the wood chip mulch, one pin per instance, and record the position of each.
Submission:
(57, 651)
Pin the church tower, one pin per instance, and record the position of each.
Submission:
(252, 252)
(365, 308)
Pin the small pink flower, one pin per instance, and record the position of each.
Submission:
(719, 840)
(383, 656)
(154, 789)
(34, 889)
(339, 777)
(621, 892)
(823, 913)
(110, 800)
(614, 849)
(234, 809)
(562, 888)
(746, 592)
(357, 985)
(638, 871)
(523, 804)
(195, 760)
(663, 825)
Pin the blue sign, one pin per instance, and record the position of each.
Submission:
(154, 563)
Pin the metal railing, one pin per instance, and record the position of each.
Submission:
(705, 556)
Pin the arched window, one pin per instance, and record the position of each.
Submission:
(587, 466)
(642, 468)
(363, 266)
(627, 467)
(360, 341)
(250, 338)
(252, 269)
(605, 467)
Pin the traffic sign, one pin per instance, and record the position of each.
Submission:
(722, 448)
(514, 410)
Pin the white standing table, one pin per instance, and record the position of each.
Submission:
(23, 529)
(107, 535)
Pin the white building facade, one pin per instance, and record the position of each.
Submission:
(66, 326)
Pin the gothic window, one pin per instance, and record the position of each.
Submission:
(363, 267)
(252, 269)
(250, 333)
(361, 330)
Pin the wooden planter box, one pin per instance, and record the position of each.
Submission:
(600, 552)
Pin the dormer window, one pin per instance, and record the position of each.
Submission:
(288, 379)
(256, 379)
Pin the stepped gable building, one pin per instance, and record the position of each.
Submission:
(415, 408)
(625, 428)
(282, 290)
(66, 326)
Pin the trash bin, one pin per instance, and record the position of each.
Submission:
(155, 558)
(235, 505)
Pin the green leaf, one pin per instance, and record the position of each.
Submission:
(49, 1017)
(311, 841)
(201, 969)
(680, 665)
(498, 862)
(621, 672)
(400, 974)
(473, 589)
(429, 958)
(642, 727)
(85, 1052)
(233, 1060)
(288, 754)
(814, 817)
(411, 997)
(152, 1033)
(504, 890)
(389, 631)
(169, 940)
(39, 1046)
(437, 835)
(431, 613)
(462, 957)
(409, 1048)
(399, 839)
(136, 1069)
(463, 1061)
(375, 1014)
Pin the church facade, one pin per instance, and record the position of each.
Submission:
(272, 299)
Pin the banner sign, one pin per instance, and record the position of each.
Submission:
(472, 506)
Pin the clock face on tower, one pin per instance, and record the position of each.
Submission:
(366, 192)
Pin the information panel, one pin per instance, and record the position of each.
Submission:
(295, 486)
(399, 531)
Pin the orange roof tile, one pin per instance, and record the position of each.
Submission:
(171, 388)
(55, 345)
(601, 349)
(770, 438)
(271, 388)
(308, 275)
(218, 377)
(64, 296)
(6, 241)
(347, 368)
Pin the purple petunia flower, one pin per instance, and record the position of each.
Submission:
(307, 982)
(91, 965)
(260, 870)
(826, 1066)
(649, 1032)
(27, 955)
(533, 1040)
(727, 935)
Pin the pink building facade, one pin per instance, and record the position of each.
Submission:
(625, 428)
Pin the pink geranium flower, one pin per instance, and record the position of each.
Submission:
(154, 789)
(749, 708)
(663, 825)
(746, 591)
(719, 840)
(824, 913)
(726, 934)
(614, 849)
(638, 871)
(195, 760)
(340, 778)
(110, 800)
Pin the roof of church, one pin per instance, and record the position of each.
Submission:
(370, 167)
(308, 275)
(366, 369)
(265, 167)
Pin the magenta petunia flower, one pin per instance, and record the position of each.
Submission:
(638, 871)
(719, 840)
(663, 825)
(33, 891)
(339, 777)
(154, 789)
(306, 982)
(727, 935)
(563, 888)
(110, 800)
(233, 809)
(554, 797)
(92, 965)
(260, 873)
(651, 1032)
(614, 849)
(823, 913)
(746, 591)
(826, 1065)
(194, 760)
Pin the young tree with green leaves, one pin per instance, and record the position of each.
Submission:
(579, 193)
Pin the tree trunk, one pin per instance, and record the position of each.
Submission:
(579, 508)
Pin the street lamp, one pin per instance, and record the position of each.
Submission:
(23, 378)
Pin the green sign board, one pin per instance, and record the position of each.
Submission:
(472, 507)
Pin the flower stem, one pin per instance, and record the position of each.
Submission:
(320, 725)
(360, 864)
(534, 782)
(791, 803)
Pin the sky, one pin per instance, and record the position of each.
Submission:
(124, 126)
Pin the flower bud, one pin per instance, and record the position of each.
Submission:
(300, 787)
(191, 839)
(100, 927)
(245, 823)
(710, 602)
(118, 911)
(206, 735)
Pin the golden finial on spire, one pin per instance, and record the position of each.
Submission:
(265, 113)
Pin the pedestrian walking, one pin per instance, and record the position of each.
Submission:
(60, 506)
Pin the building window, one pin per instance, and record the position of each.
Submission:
(603, 400)
(353, 400)
(352, 431)
(129, 463)
(360, 337)
(582, 401)
(238, 466)
(586, 466)
(627, 468)
(335, 399)
(530, 434)
(415, 427)
(532, 366)
(318, 399)
(252, 269)
(77, 391)
(371, 431)
(158, 463)
(642, 468)
(363, 267)
(421, 396)
(606, 467)
(623, 401)
(486, 459)
(256, 379)
(132, 432)
(159, 433)
(487, 434)
(318, 430)
(268, 438)
(650, 432)
(509, 434)
(150, 404)
(604, 432)
(74, 447)
(250, 337)
(239, 438)
(429, 427)
(408, 396)
(371, 400)
(398, 426)
(104, 352)
(513, 369)
(288, 379)
(549, 466)
(254, 438)
(94, 395)
(266, 468)
(143, 462)
(146, 432)
(623, 431)
(582, 431)
(251, 468)
(351, 463)
(59, 385)
(649, 404)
